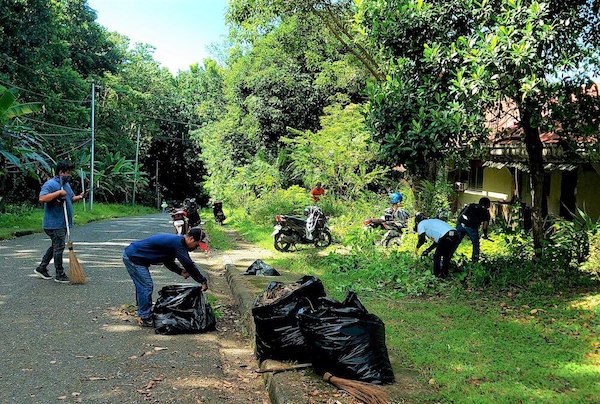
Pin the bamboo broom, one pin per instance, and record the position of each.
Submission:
(365, 392)
(76, 274)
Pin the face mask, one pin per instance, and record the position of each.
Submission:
(65, 179)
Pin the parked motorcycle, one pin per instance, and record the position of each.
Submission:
(393, 225)
(291, 230)
(186, 216)
(218, 212)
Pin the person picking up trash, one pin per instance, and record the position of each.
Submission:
(162, 249)
(469, 220)
(445, 240)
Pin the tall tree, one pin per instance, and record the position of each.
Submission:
(461, 58)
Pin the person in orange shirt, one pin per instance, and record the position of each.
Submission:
(317, 192)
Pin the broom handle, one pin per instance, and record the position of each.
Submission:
(82, 187)
(65, 210)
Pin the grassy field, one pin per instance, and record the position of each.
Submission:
(472, 345)
(28, 219)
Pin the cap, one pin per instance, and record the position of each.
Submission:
(396, 197)
(200, 236)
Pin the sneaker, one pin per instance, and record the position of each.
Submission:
(147, 322)
(42, 273)
(61, 277)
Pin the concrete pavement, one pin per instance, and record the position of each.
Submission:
(79, 343)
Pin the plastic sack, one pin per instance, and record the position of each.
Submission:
(274, 311)
(346, 340)
(183, 309)
(260, 268)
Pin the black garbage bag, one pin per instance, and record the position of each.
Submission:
(346, 340)
(183, 309)
(274, 311)
(260, 268)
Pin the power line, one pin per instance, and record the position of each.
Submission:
(57, 134)
(54, 125)
(12, 85)
(170, 120)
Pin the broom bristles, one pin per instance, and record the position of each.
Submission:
(365, 392)
(76, 273)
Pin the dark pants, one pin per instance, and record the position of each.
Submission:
(140, 275)
(55, 251)
(473, 235)
(446, 247)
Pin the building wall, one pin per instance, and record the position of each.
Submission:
(554, 194)
(497, 185)
(588, 191)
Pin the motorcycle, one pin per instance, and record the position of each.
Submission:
(291, 230)
(218, 212)
(393, 226)
(185, 217)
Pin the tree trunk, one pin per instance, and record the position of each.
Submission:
(534, 147)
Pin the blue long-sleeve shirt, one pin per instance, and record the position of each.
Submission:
(164, 249)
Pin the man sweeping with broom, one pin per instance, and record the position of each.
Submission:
(58, 197)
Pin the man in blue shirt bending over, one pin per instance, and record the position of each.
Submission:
(162, 249)
(445, 241)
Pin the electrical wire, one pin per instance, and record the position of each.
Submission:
(54, 125)
(12, 85)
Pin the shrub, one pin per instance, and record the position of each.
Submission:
(592, 265)
(291, 201)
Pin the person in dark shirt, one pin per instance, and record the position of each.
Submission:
(469, 220)
(161, 249)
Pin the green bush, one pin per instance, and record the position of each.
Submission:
(370, 269)
(291, 201)
(592, 265)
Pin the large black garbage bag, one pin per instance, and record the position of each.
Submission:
(346, 340)
(183, 309)
(274, 311)
(259, 267)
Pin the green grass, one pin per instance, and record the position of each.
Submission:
(473, 345)
(26, 220)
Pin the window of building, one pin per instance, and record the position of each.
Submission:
(476, 176)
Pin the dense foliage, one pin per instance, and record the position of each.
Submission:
(349, 93)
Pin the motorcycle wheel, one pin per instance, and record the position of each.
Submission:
(393, 241)
(280, 245)
(324, 239)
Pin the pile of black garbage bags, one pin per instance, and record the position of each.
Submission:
(341, 338)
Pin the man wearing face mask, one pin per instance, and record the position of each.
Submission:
(162, 249)
(54, 193)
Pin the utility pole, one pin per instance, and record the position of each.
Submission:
(137, 155)
(157, 187)
(92, 152)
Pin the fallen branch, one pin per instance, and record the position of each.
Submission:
(278, 369)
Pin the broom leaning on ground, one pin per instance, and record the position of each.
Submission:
(365, 392)
(76, 274)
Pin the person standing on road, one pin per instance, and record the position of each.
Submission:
(445, 240)
(54, 193)
(469, 219)
(161, 249)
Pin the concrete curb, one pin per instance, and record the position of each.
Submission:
(283, 388)
(291, 387)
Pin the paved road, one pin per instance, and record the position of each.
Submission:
(79, 343)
